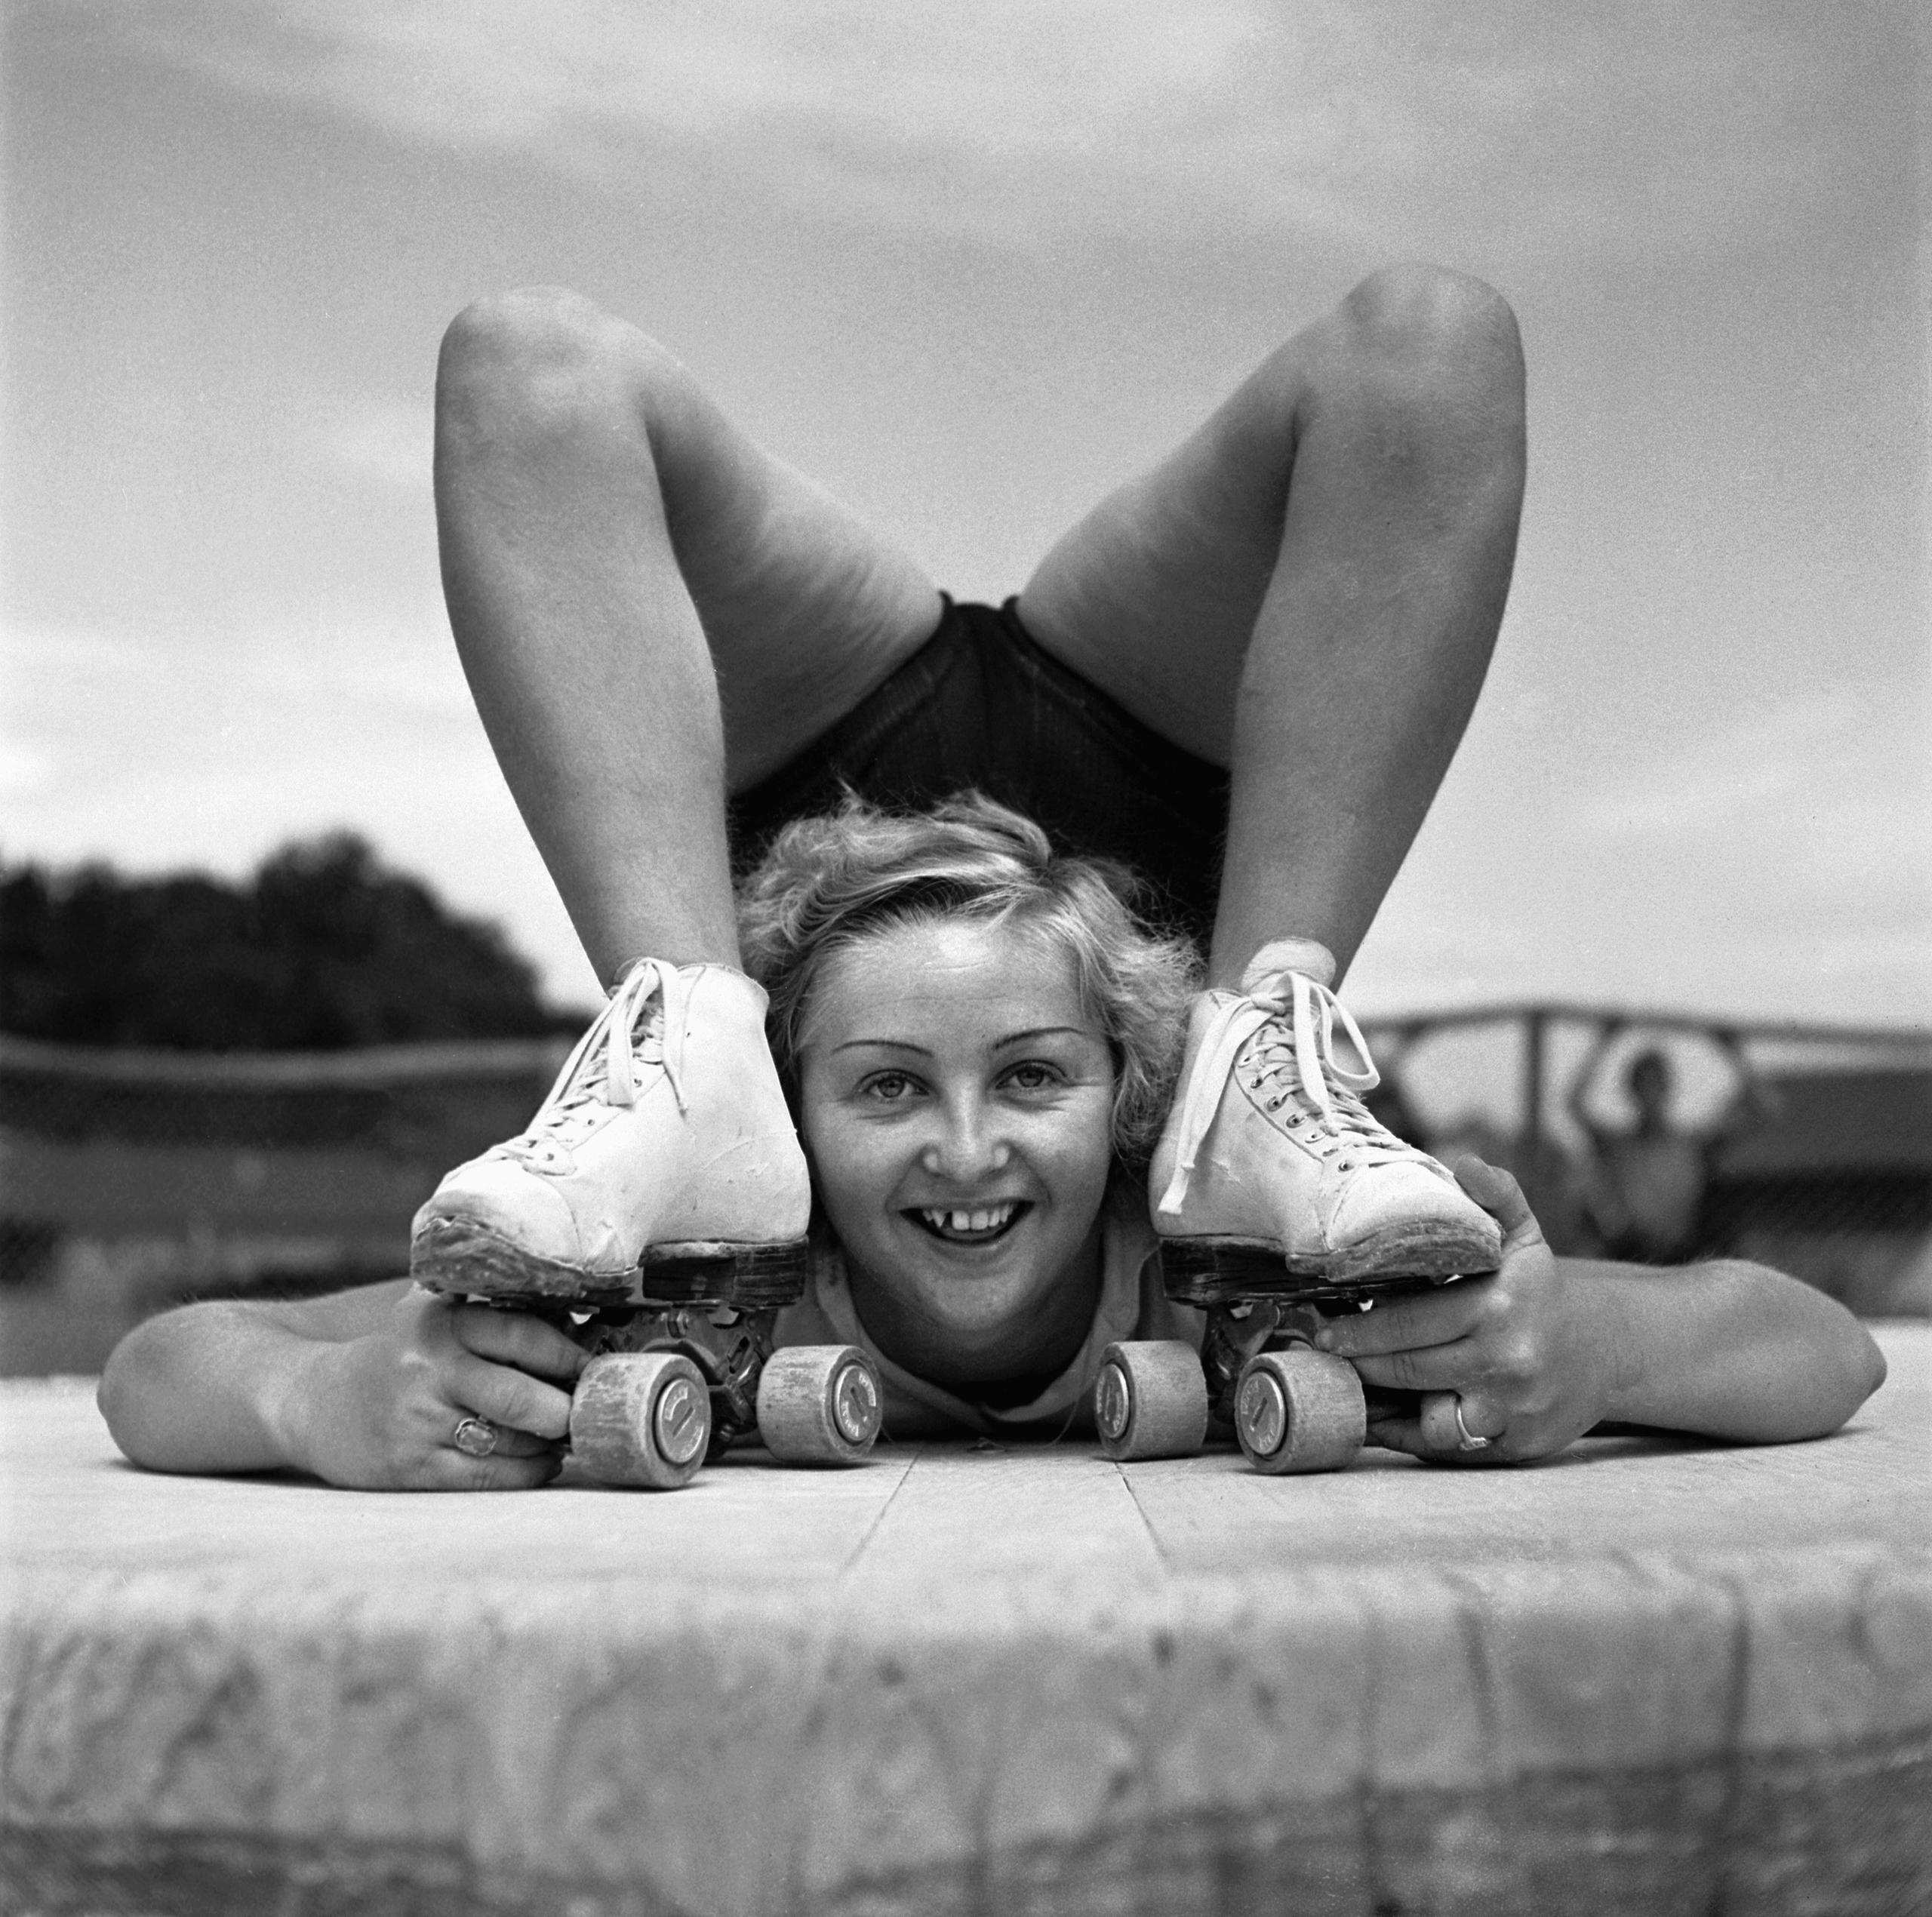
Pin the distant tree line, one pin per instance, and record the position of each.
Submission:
(322, 948)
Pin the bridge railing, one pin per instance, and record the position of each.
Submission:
(1811, 1142)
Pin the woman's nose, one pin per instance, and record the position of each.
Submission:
(966, 1147)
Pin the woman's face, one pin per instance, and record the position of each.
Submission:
(957, 1104)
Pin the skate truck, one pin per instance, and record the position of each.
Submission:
(1258, 1375)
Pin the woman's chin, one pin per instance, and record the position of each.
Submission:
(974, 1294)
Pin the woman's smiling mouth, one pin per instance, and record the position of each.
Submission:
(969, 1224)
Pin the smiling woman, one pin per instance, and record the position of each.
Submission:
(979, 1039)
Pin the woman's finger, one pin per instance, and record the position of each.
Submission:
(1431, 1434)
(436, 1421)
(1409, 1323)
(1461, 1422)
(510, 1442)
(1395, 1433)
(507, 1397)
(518, 1339)
(1435, 1368)
(1497, 1191)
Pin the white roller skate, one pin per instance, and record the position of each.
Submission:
(1271, 1165)
(656, 1209)
(1279, 1200)
(663, 1164)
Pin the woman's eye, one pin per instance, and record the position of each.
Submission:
(1032, 1076)
(890, 1086)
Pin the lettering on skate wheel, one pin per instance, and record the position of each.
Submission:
(819, 1404)
(641, 1418)
(1150, 1400)
(1300, 1410)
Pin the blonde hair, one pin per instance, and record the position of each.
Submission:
(826, 882)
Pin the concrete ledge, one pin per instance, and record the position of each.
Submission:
(1797, 1835)
(1652, 1676)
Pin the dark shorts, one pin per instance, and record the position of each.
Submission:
(980, 706)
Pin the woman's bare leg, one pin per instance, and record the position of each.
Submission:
(648, 608)
(1308, 590)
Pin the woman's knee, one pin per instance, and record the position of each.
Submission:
(541, 363)
(1425, 328)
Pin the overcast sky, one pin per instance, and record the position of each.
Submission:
(969, 267)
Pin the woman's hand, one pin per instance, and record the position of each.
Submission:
(380, 1412)
(1527, 1354)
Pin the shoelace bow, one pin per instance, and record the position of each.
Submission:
(602, 1069)
(1293, 1016)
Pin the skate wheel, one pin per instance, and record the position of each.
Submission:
(1300, 1410)
(1150, 1400)
(819, 1404)
(641, 1418)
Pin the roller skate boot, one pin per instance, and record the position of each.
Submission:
(655, 1207)
(665, 1147)
(1270, 1160)
(1280, 1199)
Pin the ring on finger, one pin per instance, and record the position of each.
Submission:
(1466, 1440)
(474, 1437)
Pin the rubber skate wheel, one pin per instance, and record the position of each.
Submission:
(819, 1404)
(1300, 1410)
(1150, 1400)
(641, 1418)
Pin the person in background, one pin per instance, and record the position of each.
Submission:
(1644, 1186)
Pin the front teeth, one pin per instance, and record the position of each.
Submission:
(969, 1221)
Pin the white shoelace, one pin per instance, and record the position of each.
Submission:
(602, 1069)
(1293, 1018)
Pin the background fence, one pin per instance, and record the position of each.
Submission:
(1811, 1144)
(131, 1180)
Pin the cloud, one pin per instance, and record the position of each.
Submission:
(1023, 119)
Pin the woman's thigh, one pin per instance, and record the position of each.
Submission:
(1154, 596)
(587, 482)
(1378, 453)
(805, 608)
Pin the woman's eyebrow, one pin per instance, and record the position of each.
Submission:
(1027, 1037)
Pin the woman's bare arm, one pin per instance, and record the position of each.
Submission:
(1545, 1347)
(362, 1387)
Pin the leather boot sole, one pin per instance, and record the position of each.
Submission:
(460, 1257)
(1212, 1271)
